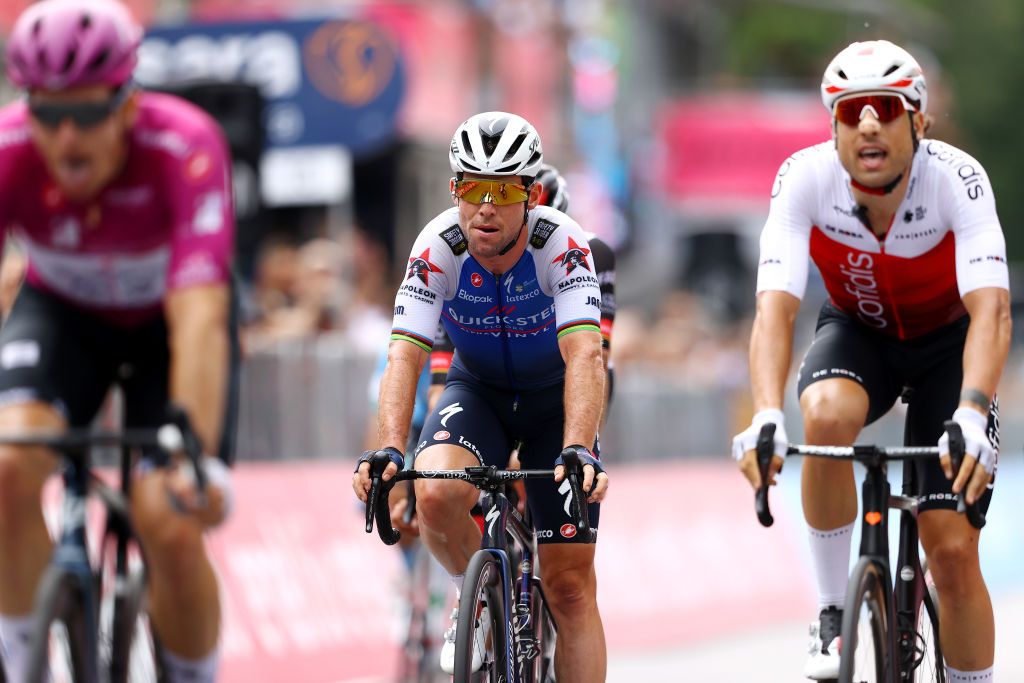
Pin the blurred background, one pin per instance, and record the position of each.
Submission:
(669, 119)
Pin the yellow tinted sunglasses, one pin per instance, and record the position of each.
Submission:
(494, 191)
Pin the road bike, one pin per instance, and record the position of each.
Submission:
(90, 622)
(890, 632)
(501, 579)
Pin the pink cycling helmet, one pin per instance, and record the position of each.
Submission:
(58, 44)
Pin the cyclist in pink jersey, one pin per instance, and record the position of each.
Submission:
(905, 233)
(122, 201)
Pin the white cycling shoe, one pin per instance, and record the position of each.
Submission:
(448, 649)
(823, 653)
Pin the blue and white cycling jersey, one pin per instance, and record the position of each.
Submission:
(504, 329)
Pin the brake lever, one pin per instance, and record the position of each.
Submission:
(957, 450)
(765, 452)
(578, 503)
(377, 501)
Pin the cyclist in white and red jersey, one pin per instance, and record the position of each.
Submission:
(905, 233)
(513, 284)
(122, 201)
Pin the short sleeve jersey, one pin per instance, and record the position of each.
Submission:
(945, 240)
(504, 329)
(165, 222)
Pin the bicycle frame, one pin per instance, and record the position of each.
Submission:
(902, 598)
(71, 553)
(905, 595)
(500, 521)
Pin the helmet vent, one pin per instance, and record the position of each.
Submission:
(842, 75)
(506, 169)
(466, 147)
(99, 60)
(514, 148)
(37, 27)
(85, 23)
(891, 69)
(69, 60)
(490, 143)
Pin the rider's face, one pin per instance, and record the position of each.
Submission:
(82, 159)
(874, 153)
(490, 227)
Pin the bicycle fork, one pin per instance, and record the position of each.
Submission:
(71, 554)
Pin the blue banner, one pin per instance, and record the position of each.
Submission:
(326, 82)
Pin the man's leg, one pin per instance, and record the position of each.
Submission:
(184, 599)
(834, 410)
(570, 585)
(966, 623)
(24, 542)
(443, 508)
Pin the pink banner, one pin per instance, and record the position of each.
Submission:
(309, 596)
(731, 146)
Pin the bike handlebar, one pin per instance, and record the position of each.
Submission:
(174, 436)
(864, 454)
(481, 476)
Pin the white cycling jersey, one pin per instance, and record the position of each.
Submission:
(945, 239)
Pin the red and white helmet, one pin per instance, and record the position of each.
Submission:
(58, 44)
(874, 66)
(496, 143)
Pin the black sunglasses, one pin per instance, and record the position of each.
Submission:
(82, 114)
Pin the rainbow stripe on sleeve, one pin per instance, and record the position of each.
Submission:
(576, 326)
(420, 341)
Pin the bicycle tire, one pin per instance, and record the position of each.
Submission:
(932, 666)
(483, 583)
(865, 633)
(58, 650)
(134, 655)
(541, 668)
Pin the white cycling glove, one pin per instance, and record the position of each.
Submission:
(976, 443)
(747, 439)
(217, 474)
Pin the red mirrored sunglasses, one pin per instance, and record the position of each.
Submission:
(885, 108)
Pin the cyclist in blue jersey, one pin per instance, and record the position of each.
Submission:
(514, 285)
(554, 193)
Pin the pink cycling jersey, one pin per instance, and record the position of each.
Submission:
(164, 223)
(944, 241)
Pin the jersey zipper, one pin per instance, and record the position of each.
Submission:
(883, 275)
(504, 343)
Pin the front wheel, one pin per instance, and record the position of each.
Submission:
(929, 665)
(864, 649)
(482, 618)
(134, 653)
(59, 651)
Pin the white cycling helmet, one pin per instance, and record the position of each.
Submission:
(874, 66)
(496, 143)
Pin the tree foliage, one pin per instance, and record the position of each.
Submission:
(975, 47)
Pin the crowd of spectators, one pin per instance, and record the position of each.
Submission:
(322, 286)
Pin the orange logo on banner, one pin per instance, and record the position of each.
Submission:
(873, 518)
(348, 61)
